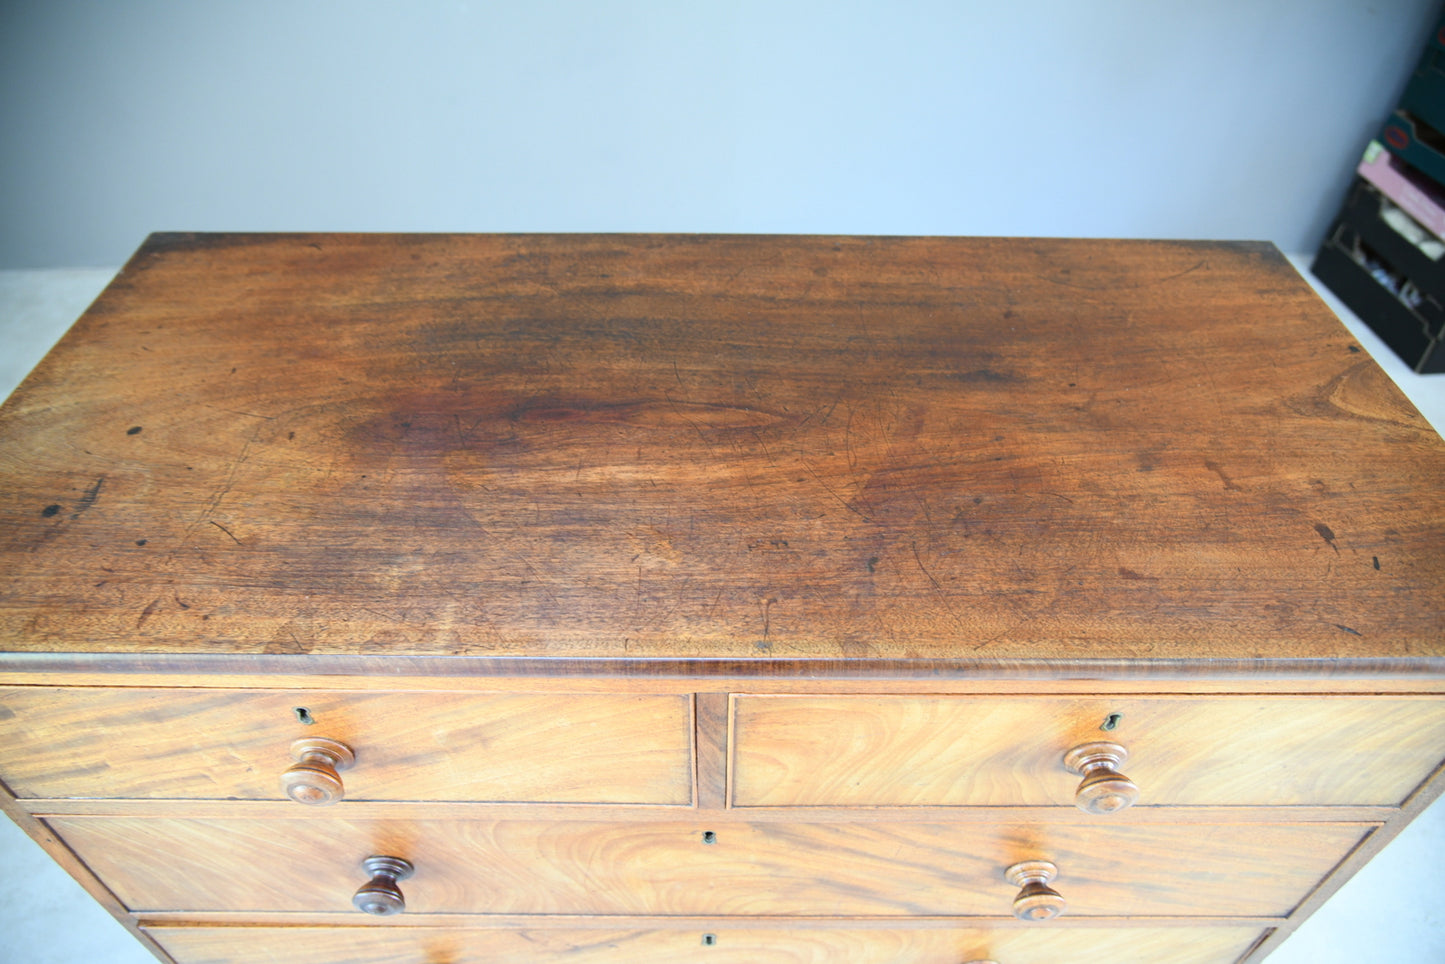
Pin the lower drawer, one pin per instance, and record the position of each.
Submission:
(694, 869)
(415, 945)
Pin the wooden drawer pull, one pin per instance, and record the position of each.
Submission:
(380, 895)
(313, 780)
(1104, 789)
(1036, 900)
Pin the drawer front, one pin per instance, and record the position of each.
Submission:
(591, 867)
(235, 744)
(415, 945)
(841, 751)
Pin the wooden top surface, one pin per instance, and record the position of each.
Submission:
(732, 448)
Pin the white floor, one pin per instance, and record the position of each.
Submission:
(1389, 913)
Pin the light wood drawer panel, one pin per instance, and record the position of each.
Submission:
(1002, 751)
(403, 945)
(591, 867)
(190, 744)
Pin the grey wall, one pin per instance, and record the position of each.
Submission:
(1222, 118)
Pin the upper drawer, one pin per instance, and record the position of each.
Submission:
(235, 744)
(840, 751)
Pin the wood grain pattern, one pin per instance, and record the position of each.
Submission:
(665, 922)
(727, 447)
(960, 817)
(1000, 751)
(712, 716)
(175, 744)
(657, 677)
(335, 945)
(578, 867)
(511, 515)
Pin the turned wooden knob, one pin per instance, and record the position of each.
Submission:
(380, 895)
(1036, 900)
(1104, 789)
(313, 779)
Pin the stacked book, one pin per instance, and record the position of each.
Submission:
(1383, 254)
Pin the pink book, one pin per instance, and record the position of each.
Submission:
(1423, 203)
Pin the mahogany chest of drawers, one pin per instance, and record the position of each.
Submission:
(442, 599)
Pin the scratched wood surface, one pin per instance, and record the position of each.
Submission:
(732, 945)
(1008, 751)
(741, 447)
(826, 870)
(508, 747)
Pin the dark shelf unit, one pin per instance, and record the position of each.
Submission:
(1381, 262)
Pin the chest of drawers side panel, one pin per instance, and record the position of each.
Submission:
(65, 858)
(1429, 793)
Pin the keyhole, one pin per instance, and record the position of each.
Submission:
(1111, 721)
(303, 715)
(708, 940)
(709, 837)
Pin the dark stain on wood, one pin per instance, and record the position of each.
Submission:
(561, 447)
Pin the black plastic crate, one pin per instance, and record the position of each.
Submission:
(1408, 333)
(1364, 212)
